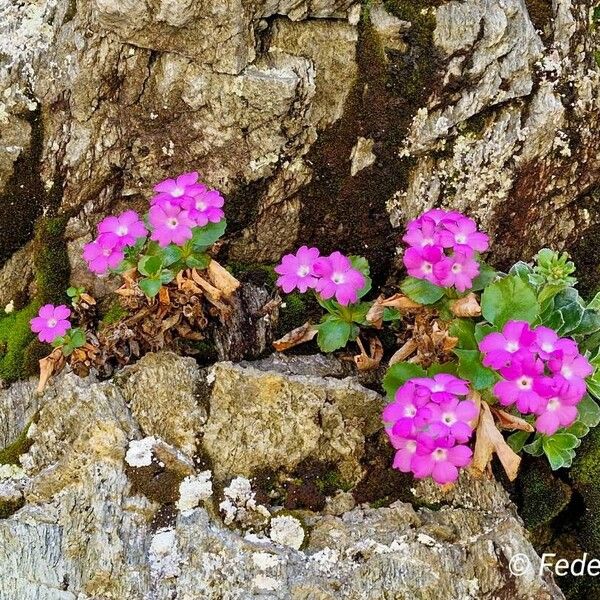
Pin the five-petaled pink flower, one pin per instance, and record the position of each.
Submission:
(337, 277)
(297, 271)
(501, 348)
(51, 323)
(456, 271)
(178, 190)
(205, 207)
(170, 223)
(128, 228)
(103, 254)
(439, 458)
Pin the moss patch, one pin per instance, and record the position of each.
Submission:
(10, 454)
(114, 314)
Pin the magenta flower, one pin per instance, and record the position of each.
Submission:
(423, 233)
(405, 452)
(178, 190)
(524, 384)
(453, 418)
(171, 224)
(462, 235)
(337, 277)
(51, 323)
(128, 228)
(103, 253)
(499, 349)
(420, 262)
(573, 369)
(439, 459)
(441, 216)
(443, 387)
(560, 411)
(205, 207)
(297, 271)
(457, 271)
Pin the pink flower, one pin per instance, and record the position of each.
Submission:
(573, 369)
(452, 418)
(103, 254)
(462, 235)
(524, 384)
(297, 271)
(419, 262)
(205, 207)
(443, 386)
(439, 459)
(337, 277)
(178, 190)
(500, 348)
(456, 271)
(51, 322)
(128, 228)
(422, 233)
(441, 216)
(171, 224)
(405, 452)
(560, 411)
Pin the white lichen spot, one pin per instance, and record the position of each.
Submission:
(240, 504)
(265, 583)
(265, 560)
(163, 554)
(425, 539)
(11, 472)
(287, 531)
(139, 452)
(193, 490)
(10, 307)
(210, 376)
(326, 560)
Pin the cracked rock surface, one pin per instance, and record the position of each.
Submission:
(89, 522)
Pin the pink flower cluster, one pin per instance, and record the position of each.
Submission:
(52, 322)
(429, 423)
(181, 204)
(330, 276)
(114, 234)
(542, 373)
(442, 247)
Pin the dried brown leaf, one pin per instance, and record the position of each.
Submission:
(88, 299)
(398, 301)
(512, 422)
(404, 352)
(301, 334)
(222, 279)
(490, 441)
(367, 362)
(51, 364)
(163, 295)
(466, 307)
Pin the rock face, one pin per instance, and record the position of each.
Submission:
(311, 115)
(91, 528)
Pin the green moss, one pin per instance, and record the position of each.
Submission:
(10, 454)
(10, 507)
(543, 495)
(585, 475)
(15, 337)
(114, 314)
(261, 275)
(330, 482)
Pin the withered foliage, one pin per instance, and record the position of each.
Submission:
(427, 341)
(177, 318)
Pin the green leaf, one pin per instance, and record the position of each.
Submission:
(331, 306)
(517, 440)
(578, 429)
(568, 305)
(588, 411)
(198, 260)
(593, 383)
(435, 368)
(166, 276)
(482, 329)
(150, 287)
(391, 314)
(595, 302)
(76, 337)
(486, 275)
(559, 449)
(334, 333)
(535, 448)
(464, 330)
(358, 312)
(470, 367)
(421, 291)
(203, 237)
(590, 322)
(400, 373)
(72, 292)
(171, 254)
(361, 264)
(509, 298)
(522, 269)
(149, 265)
